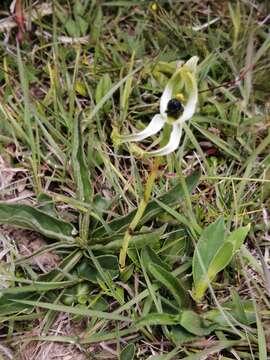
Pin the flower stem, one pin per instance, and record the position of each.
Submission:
(140, 211)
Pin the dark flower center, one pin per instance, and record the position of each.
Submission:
(174, 108)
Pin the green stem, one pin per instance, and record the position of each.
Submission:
(140, 211)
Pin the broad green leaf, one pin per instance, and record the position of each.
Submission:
(128, 352)
(180, 336)
(72, 28)
(62, 14)
(213, 253)
(157, 319)
(220, 261)
(170, 282)
(195, 324)
(170, 198)
(208, 245)
(27, 217)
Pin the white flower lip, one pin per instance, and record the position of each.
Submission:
(155, 125)
(173, 143)
(184, 79)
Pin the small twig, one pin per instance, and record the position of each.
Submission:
(233, 82)
(204, 26)
(38, 11)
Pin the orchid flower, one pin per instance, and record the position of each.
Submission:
(177, 105)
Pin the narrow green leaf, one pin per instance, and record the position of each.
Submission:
(261, 335)
(170, 198)
(170, 282)
(169, 356)
(157, 319)
(231, 309)
(84, 311)
(38, 287)
(149, 256)
(239, 307)
(212, 350)
(219, 142)
(96, 25)
(27, 217)
(109, 94)
(79, 165)
(128, 352)
(103, 87)
(86, 269)
(237, 237)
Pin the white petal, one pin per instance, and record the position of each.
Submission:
(190, 106)
(154, 127)
(173, 143)
(165, 98)
(192, 63)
